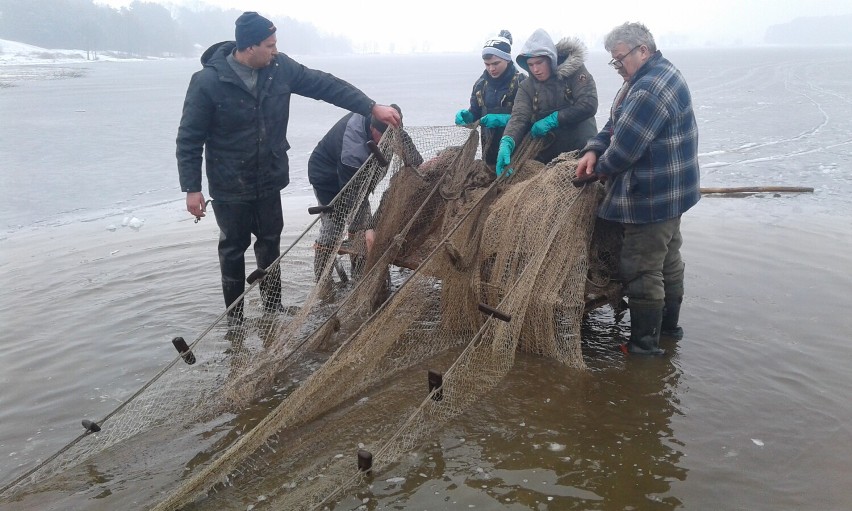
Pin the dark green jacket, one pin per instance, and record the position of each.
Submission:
(570, 90)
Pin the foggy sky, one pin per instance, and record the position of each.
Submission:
(454, 25)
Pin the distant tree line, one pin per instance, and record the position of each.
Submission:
(144, 28)
(812, 31)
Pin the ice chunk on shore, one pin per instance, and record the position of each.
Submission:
(135, 223)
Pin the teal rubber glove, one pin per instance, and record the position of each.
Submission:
(504, 156)
(543, 126)
(494, 120)
(464, 117)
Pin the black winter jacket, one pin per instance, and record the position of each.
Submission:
(243, 137)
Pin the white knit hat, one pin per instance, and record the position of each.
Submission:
(500, 46)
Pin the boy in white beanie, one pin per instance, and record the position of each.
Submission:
(493, 94)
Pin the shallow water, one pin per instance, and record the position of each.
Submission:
(749, 411)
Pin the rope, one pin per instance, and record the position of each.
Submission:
(192, 345)
(248, 441)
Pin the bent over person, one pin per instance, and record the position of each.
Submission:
(559, 100)
(236, 113)
(333, 163)
(493, 94)
(648, 155)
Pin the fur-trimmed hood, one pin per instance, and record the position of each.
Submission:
(566, 56)
(571, 54)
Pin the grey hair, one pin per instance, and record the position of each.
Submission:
(631, 34)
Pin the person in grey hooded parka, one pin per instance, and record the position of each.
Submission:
(559, 103)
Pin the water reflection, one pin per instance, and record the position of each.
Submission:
(554, 438)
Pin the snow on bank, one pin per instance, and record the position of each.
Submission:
(20, 61)
(15, 53)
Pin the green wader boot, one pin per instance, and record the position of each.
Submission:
(645, 320)
(671, 314)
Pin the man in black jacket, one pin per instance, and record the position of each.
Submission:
(236, 113)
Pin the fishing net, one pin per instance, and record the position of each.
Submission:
(437, 274)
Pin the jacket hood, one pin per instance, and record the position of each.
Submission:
(571, 54)
(224, 48)
(539, 44)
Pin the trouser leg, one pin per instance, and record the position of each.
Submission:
(234, 220)
(362, 221)
(330, 230)
(645, 258)
(673, 269)
(267, 224)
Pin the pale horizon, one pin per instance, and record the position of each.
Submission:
(446, 26)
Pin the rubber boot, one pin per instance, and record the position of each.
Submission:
(645, 320)
(231, 290)
(671, 313)
(321, 256)
(270, 291)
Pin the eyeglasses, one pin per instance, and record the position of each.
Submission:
(617, 63)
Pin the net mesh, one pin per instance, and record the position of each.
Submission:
(462, 271)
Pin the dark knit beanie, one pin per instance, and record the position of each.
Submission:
(252, 29)
(500, 46)
(382, 127)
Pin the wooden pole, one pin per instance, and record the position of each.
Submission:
(758, 189)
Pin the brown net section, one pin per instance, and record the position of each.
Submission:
(463, 271)
(519, 247)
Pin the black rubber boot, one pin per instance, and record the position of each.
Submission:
(231, 290)
(321, 255)
(671, 313)
(645, 320)
(270, 291)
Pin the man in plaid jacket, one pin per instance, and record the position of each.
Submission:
(647, 153)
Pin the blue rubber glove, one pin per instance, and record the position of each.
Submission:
(504, 155)
(543, 126)
(464, 117)
(494, 120)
